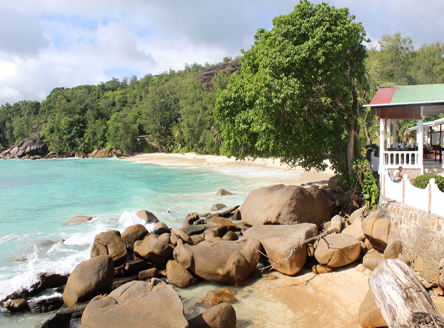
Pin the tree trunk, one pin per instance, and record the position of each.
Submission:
(350, 149)
(367, 133)
(400, 297)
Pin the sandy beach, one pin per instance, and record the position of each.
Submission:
(302, 177)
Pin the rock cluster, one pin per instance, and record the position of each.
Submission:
(278, 226)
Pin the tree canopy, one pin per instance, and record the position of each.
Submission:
(295, 97)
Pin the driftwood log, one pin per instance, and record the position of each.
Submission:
(400, 297)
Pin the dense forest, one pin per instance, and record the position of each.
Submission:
(176, 109)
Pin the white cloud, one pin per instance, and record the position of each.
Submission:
(60, 43)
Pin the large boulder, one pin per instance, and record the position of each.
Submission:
(376, 228)
(369, 314)
(88, 279)
(136, 304)
(337, 250)
(147, 216)
(230, 262)
(109, 243)
(133, 233)
(31, 146)
(219, 316)
(278, 242)
(178, 276)
(154, 250)
(372, 259)
(355, 229)
(282, 204)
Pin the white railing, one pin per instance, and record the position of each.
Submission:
(406, 159)
(430, 199)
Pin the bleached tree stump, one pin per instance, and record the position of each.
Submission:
(400, 297)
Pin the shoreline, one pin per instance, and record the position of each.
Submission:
(299, 177)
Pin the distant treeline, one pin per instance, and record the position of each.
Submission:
(176, 109)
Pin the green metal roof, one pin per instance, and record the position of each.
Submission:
(424, 94)
(419, 93)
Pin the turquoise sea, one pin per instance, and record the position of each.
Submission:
(38, 197)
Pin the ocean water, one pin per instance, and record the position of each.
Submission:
(37, 198)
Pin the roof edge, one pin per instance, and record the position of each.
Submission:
(406, 103)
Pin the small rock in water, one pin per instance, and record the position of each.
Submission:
(223, 192)
(217, 207)
(18, 304)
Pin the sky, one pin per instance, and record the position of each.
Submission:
(59, 43)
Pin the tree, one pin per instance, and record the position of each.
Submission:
(398, 54)
(428, 66)
(295, 97)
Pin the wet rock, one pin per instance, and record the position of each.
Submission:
(228, 212)
(88, 279)
(147, 216)
(136, 304)
(180, 234)
(45, 305)
(220, 221)
(280, 204)
(57, 320)
(109, 243)
(230, 262)
(18, 304)
(217, 207)
(79, 219)
(214, 297)
(223, 192)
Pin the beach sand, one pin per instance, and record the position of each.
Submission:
(196, 159)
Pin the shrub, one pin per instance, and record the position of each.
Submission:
(421, 181)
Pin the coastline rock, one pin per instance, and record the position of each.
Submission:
(154, 250)
(218, 221)
(56, 320)
(45, 305)
(31, 146)
(376, 228)
(336, 224)
(79, 219)
(134, 267)
(219, 316)
(278, 240)
(230, 235)
(136, 304)
(337, 250)
(18, 304)
(321, 268)
(223, 192)
(133, 233)
(178, 276)
(230, 262)
(148, 274)
(109, 243)
(160, 228)
(88, 279)
(180, 234)
(147, 216)
(217, 207)
(227, 213)
(280, 204)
